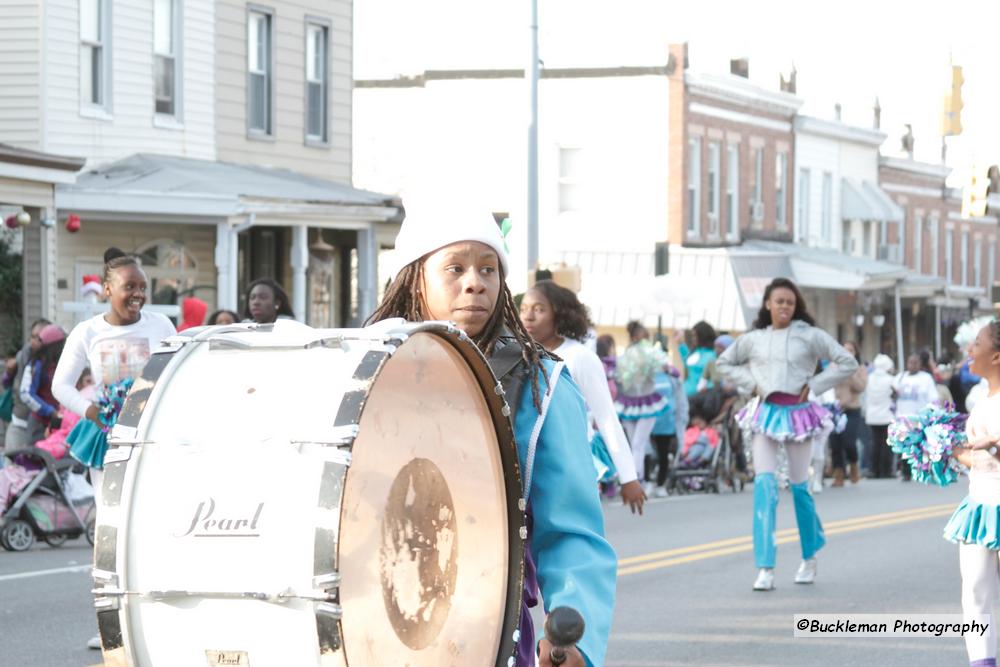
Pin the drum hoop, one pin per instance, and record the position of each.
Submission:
(125, 438)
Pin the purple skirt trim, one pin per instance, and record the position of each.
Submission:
(786, 423)
(641, 407)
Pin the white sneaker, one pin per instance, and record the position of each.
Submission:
(660, 492)
(765, 580)
(648, 487)
(817, 485)
(94, 642)
(807, 572)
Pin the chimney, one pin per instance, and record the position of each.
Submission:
(677, 58)
(836, 111)
(740, 67)
(878, 115)
(788, 85)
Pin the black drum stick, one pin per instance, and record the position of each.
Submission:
(563, 628)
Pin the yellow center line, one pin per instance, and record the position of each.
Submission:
(735, 545)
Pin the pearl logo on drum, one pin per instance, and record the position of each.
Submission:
(205, 522)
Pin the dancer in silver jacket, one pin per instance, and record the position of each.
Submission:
(777, 362)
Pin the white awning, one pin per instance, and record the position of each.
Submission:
(829, 269)
(861, 200)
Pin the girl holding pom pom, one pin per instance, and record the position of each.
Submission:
(115, 346)
(975, 525)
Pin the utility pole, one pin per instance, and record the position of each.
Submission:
(532, 76)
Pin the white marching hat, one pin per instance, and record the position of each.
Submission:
(426, 229)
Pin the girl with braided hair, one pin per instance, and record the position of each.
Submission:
(453, 268)
(974, 525)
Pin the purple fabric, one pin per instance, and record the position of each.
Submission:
(525, 651)
(779, 398)
(639, 401)
(985, 662)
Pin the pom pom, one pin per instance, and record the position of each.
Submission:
(968, 330)
(927, 442)
(110, 402)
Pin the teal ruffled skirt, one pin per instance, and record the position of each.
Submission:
(605, 467)
(88, 444)
(974, 523)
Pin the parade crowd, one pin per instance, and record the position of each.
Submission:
(788, 405)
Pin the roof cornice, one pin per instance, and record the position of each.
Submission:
(833, 129)
(912, 166)
(737, 90)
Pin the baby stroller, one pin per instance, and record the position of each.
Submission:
(44, 508)
(717, 471)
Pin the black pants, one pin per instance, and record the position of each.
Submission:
(881, 453)
(846, 444)
(665, 446)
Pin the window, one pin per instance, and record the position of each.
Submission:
(902, 239)
(316, 78)
(570, 176)
(918, 244)
(964, 251)
(780, 176)
(259, 75)
(977, 263)
(803, 212)
(826, 219)
(95, 62)
(694, 185)
(949, 255)
(757, 203)
(866, 238)
(714, 167)
(733, 192)
(166, 40)
(934, 231)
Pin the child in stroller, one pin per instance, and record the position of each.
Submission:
(44, 498)
(700, 441)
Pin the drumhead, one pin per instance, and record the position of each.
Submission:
(424, 543)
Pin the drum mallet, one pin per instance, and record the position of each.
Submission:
(563, 628)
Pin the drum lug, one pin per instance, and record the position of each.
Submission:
(107, 594)
(522, 504)
(327, 582)
(505, 410)
(498, 390)
(118, 452)
(330, 609)
(121, 432)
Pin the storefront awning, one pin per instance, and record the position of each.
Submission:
(916, 286)
(826, 268)
(722, 286)
(861, 200)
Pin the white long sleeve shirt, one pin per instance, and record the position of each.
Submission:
(111, 352)
(587, 371)
(913, 392)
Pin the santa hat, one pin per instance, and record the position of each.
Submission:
(426, 229)
(91, 285)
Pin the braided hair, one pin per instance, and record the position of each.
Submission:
(402, 300)
(116, 258)
(995, 334)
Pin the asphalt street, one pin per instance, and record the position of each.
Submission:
(684, 590)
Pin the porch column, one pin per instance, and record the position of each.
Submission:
(226, 246)
(937, 331)
(900, 354)
(367, 273)
(300, 262)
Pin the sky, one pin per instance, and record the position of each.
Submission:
(847, 52)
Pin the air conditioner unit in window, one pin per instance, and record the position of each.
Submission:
(757, 211)
(996, 295)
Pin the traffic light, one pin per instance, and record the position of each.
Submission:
(976, 195)
(951, 119)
